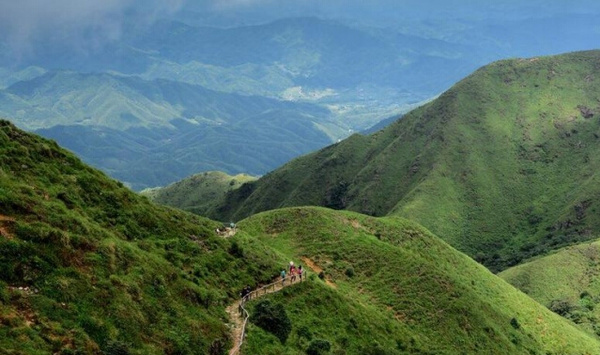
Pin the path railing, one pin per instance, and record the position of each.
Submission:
(264, 290)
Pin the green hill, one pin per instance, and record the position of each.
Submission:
(394, 288)
(86, 265)
(199, 192)
(502, 166)
(566, 282)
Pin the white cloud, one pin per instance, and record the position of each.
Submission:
(22, 21)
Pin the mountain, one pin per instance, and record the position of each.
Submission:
(502, 166)
(565, 281)
(87, 266)
(391, 287)
(184, 194)
(150, 133)
(317, 80)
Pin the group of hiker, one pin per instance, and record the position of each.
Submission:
(292, 272)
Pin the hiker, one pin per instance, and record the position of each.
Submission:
(282, 277)
(293, 272)
(246, 292)
(300, 272)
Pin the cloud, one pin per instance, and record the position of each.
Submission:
(25, 21)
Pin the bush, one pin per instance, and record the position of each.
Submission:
(272, 318)
(515, 323)
(350, 272)
(115, 347)
(318, 347)
(561, 307)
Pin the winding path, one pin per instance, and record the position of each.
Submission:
(239, 315)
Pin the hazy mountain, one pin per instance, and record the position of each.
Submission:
(501, 165)
(150, 133)
(88, 266)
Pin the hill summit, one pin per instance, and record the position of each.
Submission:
(503, 165)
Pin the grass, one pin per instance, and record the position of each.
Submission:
(565, 281)
(199, 192)
(503, 166)
(86, 265)
(408, 292)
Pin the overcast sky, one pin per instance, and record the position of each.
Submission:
(22, 21)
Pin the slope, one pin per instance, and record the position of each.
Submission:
(394, 288)
(502, 166)
(566, 282)
(87, 266)
(198, 192)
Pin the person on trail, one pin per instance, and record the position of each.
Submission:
(246, 292)
(293, 273)
(300, 272)
(282, 277)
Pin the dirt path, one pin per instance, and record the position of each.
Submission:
(238, 319)
(227, 232)
(317, 270)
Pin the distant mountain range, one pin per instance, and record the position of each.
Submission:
(277, 90)
(502, 165)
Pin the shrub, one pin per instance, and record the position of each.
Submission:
(515, 323)
(115, 347)
(318, 347)
(304, 332)
(350, 272)
(272, 318)
(561, 307)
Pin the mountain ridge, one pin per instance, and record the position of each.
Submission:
(488, 165)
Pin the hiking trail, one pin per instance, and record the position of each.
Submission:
(239, 316)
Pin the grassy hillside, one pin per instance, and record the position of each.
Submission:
(393, 288)
(87, 266)
(566, 282)
(199, 192)
(503, 165)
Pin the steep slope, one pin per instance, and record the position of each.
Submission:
(566, 282)
(394, 288)
(502, 166)
(198, 192)
(87, 266)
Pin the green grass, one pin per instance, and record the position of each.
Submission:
(104, 267)
(197, 193)
(566, 282)
(503, 166)
(408, 292)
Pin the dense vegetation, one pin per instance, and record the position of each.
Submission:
(566, 282)
(86, 265)
(503, 165)
(197, 193)
(391, 287)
